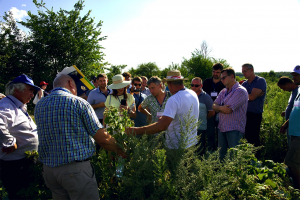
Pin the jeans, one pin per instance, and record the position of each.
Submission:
(211, 131)
(227, 140)
(202, 141)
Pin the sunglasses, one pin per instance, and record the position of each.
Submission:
(137, 84)
(194, 85)
(223, 77)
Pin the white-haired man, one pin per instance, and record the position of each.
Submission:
(18, 134)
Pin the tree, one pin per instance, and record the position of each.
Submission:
(13, 48)
(115, 69)
(146, 69)
(63, 39)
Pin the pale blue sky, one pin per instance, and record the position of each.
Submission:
(265, 33)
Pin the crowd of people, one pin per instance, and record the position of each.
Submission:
(221, 111)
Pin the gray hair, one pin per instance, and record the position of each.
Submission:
(154, 79)
(11, 87)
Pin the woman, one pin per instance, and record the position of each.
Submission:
(119, 95)
(41, 93)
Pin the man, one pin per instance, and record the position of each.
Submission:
(287, 84)
(184, 102)
(98, 96)
(127, 77)
(213, 86)
(87, 93)
(18, 134)
(231, 104)
(140, 119)
(66, 125)
(292, 156)
(205, 112)
(154, 104)
(145, 90)
(256, 87)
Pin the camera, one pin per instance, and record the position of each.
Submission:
(134, 89)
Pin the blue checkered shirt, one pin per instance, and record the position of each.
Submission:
(65, 124)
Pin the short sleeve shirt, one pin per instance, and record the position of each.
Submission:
(291, 103)
(294, 125)
(179, 106)
(152, 104)
(116, 102)
(209, 87)
(205, 105)
(97, 96)
(257, 105)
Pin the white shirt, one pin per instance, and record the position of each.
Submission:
(178, 107)
(16, 127)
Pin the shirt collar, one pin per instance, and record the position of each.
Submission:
(16, 101)
(61, 89)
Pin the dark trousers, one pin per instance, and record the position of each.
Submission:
(253, 129)
(15, 176)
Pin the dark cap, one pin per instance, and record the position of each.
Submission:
(25, 79)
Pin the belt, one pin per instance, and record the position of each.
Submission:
(82, 160)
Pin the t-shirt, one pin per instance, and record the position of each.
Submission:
(97, 96)
(294, 125)
(211, 88)
(116, 102)
(179, 106)
(291, 103)
(141, 119)
(257, 105)
(152, 104)
(205, 105)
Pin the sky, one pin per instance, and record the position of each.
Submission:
(265, 33)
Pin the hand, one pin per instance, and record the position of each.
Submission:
(124, 107)
(283, 128)
(225, 109)
(283, 114)
(130, 130)
(261, 94)
(9, 150)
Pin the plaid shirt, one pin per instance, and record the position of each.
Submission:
(152, 104)
(237, 98)
(65, 125)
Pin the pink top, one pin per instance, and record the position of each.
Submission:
(237, 98)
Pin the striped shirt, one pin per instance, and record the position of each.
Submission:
(66, 124)
(237, 99)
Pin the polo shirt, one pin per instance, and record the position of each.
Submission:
(205, 105)
(237, 99)
(294, 125)
(209, 86)
(257, 105)
(97, 96)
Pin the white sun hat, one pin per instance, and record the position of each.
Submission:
(118, 82)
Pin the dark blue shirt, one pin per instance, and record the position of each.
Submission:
(257, 105)
(141, 119)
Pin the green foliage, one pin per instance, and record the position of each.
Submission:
(114, 70)
(146, 69)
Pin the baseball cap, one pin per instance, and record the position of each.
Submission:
(25, 79)
(43, 83)
(296, 69)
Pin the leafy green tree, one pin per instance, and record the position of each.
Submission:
(146, 69)
(115, 69)
(63, 39)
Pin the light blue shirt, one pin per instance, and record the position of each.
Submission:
(205, 105)
(16, 126)
(97, 96)
(294, 125)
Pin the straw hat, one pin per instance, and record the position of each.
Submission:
(174, 75)
(118, 82)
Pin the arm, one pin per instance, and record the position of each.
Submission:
(40, 92)
(255, 93)
(157, 127)
(210, 114)
(146, 112)
(106, 141)
(98, 105)
(223, 109)
(7, 141)
(284, 127)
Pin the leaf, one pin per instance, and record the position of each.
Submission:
(271, 183)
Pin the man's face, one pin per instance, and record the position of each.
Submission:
(225, 79)
(246, 72)
(216, 73)
(95, 82)
(154, 89)
(296, 78)
(127, 78)
(196, 86)
(144, 83)
(44, 87)
(102, 82)
(137, 84)
(283, 87)
(26, 95)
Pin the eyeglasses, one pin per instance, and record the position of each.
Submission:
(194, 85)
(245, 70)
(223, 77)
(137, 84)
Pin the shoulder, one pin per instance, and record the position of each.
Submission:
(261, 80)
(6, 105)
(207, 80)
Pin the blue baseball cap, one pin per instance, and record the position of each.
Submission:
(296, 70)
(25, 79)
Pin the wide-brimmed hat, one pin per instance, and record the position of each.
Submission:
(25, 79)
(118, 82)
(296, 70)
(174, 75)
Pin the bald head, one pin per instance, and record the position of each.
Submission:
(65, 81)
